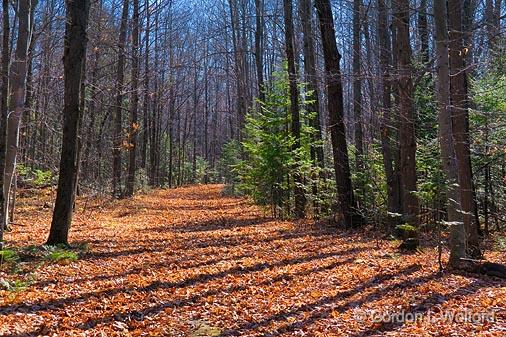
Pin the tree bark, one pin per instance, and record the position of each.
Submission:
(118, 114)
(357, 85)
(407, 125)
(313, 107)
(145, 103)
(134, 127)
(423, 31)
(457, 229)
(336, 109)
(392, 179)
(460, 125)
(4, 92)
(17, 81)
(259, 36)
(300, 199)
(74, 60)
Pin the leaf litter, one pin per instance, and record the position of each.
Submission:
(192, 262)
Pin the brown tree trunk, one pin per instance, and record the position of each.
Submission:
(460, 125)
(17, 81)
(317, 157)
(74, 60)
(145, 103)
(240, 73)
(457, 230)
(259, 36)
(357, 85)
(118, 113)
(423, 32)
(393, 192)
(4, 92)
(134, 127)
(300, 199)
(336, 109)
(406, 125)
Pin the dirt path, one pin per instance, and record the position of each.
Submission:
(190, 262)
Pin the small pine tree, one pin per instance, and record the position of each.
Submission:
(269, 165)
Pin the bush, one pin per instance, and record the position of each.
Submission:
(35, 177)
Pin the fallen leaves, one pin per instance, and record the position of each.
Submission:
(191, 262)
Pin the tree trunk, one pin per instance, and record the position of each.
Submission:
(3, 113)
(18, 74)
(145, 107)
(407, 125)
(118, 128)
(317, 157)
(259, 36)
(457, 230)
(134, 127)
(239, 65)
(300, 200)
(336, 110)
(460, 125)
(393, 192)
(423, 32)
(74, 60)
(357, 85)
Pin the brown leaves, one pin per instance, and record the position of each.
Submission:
(190, 262)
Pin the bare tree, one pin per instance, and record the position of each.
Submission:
(118, 113)
(357, 84)
(4, 91)
(259, 55)
(335, 108)
(134, 127)
(311, 78)
(457, 229)
(74, 58)
(17, 92)
(385, 57)
(300, 200)
(460, 125)
(406, 115)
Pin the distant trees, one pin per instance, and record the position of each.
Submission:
(74, 59)
(172, 85)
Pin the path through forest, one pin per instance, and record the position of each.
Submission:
(191, 262)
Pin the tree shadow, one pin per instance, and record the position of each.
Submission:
(141, 314)
(217, 224)
(424, 306)
(156, 285)
(308, 307)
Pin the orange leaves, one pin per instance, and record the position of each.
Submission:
(191, 262)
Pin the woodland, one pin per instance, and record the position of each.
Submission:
(253, 168)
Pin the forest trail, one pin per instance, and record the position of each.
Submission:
(192, 262)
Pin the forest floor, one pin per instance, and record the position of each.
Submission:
(191, 262)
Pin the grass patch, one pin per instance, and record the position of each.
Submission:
(8, 256)
(59, 254)
(14, 285)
